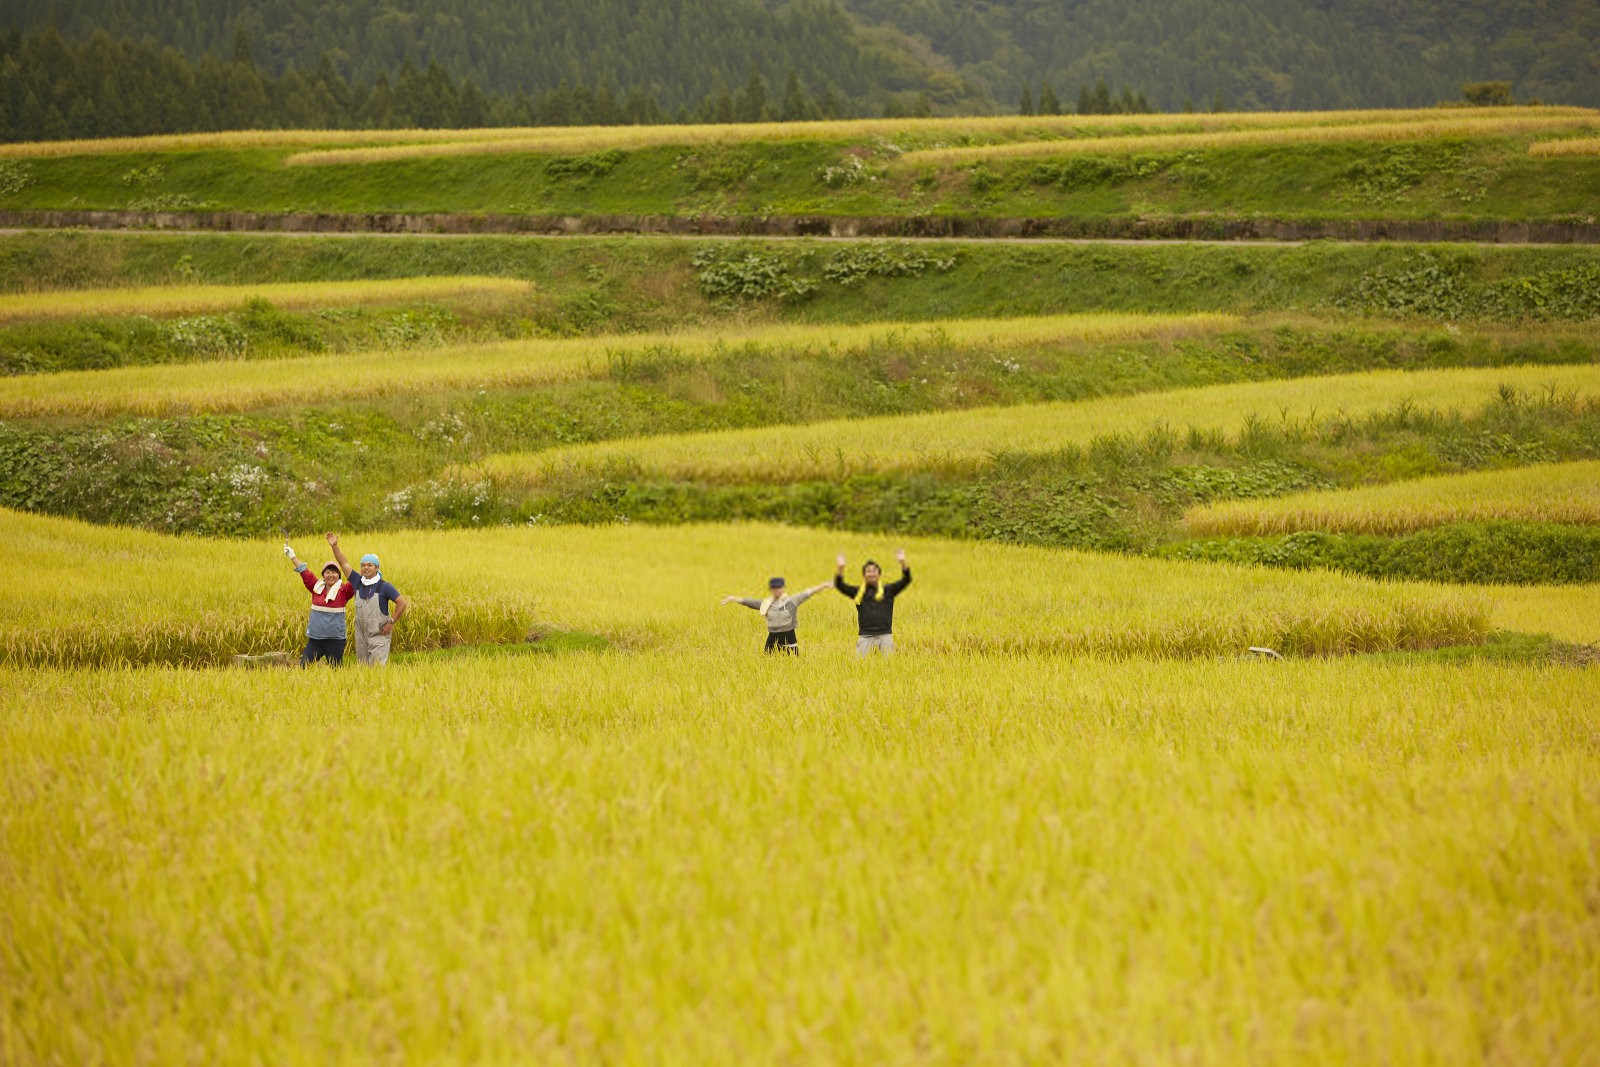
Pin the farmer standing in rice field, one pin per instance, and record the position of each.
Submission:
(874, 603)
(330, 593)
(781, 611)
(374, 624)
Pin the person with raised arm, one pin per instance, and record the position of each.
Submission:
(330, 592)
(374, 624)
(874, 603)
(781, 611)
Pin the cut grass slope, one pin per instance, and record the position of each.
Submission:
(653, 587)
(1552, 493)
(837, 449)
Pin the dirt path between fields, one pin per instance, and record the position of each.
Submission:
(1187, 230)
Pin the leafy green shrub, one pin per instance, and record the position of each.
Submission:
(1089, 172)
(748, 275)
(15, 176)
(594, 165)
(1441, 286)
(856, 262)
(207, 335)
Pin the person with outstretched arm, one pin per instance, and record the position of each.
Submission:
(374, 624)
(330, 593)
(874, 603)
(781, 611)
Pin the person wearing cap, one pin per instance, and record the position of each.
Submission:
(874, 603)
(374, 624)
(781, 611)
(330, 593)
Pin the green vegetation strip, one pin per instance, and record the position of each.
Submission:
(838, 449)
(1550, 493)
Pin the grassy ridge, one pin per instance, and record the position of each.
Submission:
(838, 449)
(1554, 493)
(618, 858)
(659, 588)
(595, 285)
(1444, 176)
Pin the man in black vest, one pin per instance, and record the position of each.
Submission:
(874, 603)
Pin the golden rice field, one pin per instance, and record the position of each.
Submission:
(1572, 146)
(190, 299)
(714, 858)
(240, 385)
(1554, 492)
(658, 588)
(998, 128)
(839, 448)
(1178, 142)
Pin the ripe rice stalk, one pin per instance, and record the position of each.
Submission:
(989, 129)
(190, 299)
(1555, 492)
(713, 858)
(1181, 142)
(1568, 146)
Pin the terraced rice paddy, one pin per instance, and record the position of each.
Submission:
(1559, 492)
(189, 299)
(1077, 817)
(233, 385)
(840, 448)
(1123, 144)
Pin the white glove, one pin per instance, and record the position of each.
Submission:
(287, 551)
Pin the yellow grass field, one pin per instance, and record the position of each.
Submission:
(1572, 146)
(1555, 492)
(650, 588)
(235, 385)
(842, 447)
(1179, 142)
(999, 128)
(189, 299)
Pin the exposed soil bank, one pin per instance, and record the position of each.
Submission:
(1191, 228)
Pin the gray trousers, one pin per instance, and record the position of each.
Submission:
(372, 647)
(882, 642)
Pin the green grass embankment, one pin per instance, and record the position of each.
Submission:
(1443, 178)
(621, 285)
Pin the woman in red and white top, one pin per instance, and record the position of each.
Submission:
(325, 634)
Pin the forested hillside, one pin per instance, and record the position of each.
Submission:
(94, 66)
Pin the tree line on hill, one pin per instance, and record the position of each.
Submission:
(51, 89)
(960, 56)
(132, 66)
